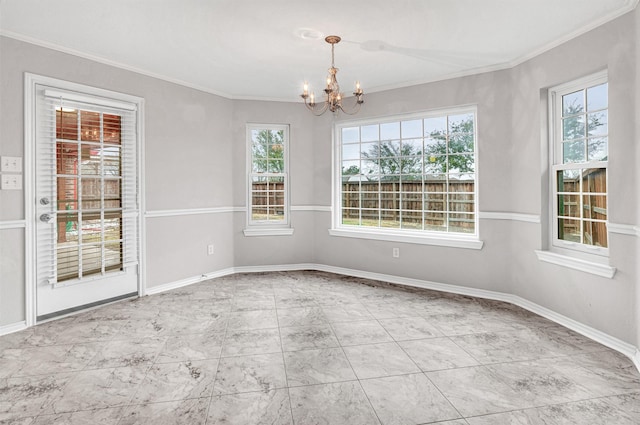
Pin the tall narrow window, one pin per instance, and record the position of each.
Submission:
(268, 191)
(409, 175)
(580, 153)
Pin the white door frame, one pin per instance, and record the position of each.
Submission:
(30, 81)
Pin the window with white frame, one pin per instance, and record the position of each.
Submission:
(408, 174)
(579, 116)
(268, 191)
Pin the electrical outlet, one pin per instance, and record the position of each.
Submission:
(396, 252)
(210, 249)
(11, 182)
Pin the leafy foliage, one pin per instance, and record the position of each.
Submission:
(351, 170)
(391, 158)
(460, 149)
(268, 151)
(575, 139)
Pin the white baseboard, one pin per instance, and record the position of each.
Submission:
(605, 339)
(636, 359)
(13, 327)
(187, 281)
(225, 272)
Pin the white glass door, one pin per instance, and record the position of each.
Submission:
(86, 188)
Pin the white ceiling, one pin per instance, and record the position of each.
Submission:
(259, 49)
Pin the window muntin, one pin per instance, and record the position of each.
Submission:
(268, 168)
(413, 174)
(580, 141)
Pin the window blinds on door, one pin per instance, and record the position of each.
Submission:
(86, 181)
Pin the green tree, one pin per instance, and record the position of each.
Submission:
(574, 148)
(351, 170)
(268, 151)
(390, 158)
(460, 149)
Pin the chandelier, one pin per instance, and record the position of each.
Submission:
(333, 99)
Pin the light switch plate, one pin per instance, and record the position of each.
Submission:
(11, 164)
(11, 182)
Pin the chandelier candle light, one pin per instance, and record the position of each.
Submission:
(333, 101)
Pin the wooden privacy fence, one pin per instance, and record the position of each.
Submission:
(389, 200)
(594, 206)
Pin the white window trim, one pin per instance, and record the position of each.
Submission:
(267, 228)
(592, 260)
(454, 240)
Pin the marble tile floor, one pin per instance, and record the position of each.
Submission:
(311, 348)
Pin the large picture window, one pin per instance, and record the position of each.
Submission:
(411, 174)
(268, 175)
(579, 115)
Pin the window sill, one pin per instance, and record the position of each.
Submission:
(591, 267)
(452, 241)
(286, 231)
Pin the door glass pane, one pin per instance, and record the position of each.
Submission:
(66, 124)
(90, 126)
(89, 239)
(111, 160)
(68, 259)
(113, 256)
(67, 193)
(90, 159)
(91, 193)
(112, 129)
(67, 227)
(112, 226)
(91, 228)
(91, 259)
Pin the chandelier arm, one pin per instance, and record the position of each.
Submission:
(353, 110)
(314, 111)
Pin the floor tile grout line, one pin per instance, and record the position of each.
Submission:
(284, 365)
(356, 375)
(215, 377)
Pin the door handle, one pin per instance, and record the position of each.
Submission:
(47, 218)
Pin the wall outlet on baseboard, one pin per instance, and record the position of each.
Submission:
(210, 249)
(396, 252)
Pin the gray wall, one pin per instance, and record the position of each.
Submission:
(513, 173)
(263, 250)
(188, 164)
(195, 146)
